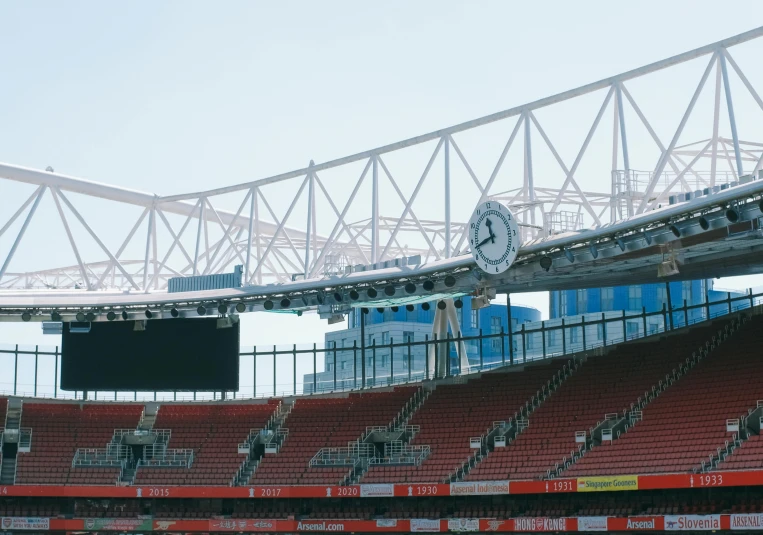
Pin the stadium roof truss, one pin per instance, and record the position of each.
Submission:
(306, 242)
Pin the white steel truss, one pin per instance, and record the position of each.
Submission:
(368, 207)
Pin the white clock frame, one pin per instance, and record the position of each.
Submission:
(498, 254)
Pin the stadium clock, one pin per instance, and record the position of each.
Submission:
(493, 237)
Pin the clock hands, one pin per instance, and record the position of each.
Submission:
(491, 238)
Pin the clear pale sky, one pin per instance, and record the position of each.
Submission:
(178, 96)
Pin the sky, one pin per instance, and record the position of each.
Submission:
(171, 97)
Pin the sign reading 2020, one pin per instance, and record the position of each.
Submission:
(494, 237)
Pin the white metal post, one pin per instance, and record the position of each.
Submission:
(308, 232)
(716, 120)
(732, 119)
(202, 210)
(249, 237)
(374, 209)
(447, 196)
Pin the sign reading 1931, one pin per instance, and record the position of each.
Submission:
(493, 237)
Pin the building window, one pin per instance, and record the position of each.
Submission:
(384, 361)
(574, 335)
(662, 297)
(563, 303)
(328, 366)
(582, 301)
(408, 336)
(600, 331)
(607, 299)
(385, 338)
(495, 328)
(634, 298)
(631, 329)
(529, 341)
(654, 328)
(552, 337)
(686, 292)
(343, 365)
(475, 323)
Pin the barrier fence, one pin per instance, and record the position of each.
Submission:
(278, 371)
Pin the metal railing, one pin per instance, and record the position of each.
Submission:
(412, 361)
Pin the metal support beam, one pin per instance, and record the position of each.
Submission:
(732, 118)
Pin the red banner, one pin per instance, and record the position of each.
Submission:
(694, 522)
(645, 482)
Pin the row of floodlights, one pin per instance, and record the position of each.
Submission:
(222, 308)
(732, 215)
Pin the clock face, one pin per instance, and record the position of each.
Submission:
(493, 237)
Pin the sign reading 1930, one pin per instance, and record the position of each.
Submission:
(493, 237)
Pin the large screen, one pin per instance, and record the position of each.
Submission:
(171, 354)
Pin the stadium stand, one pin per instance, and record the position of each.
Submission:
(213, 432)
(454, 413)
(748, 456)
(604, 384)
(327, 422)
(686, 424)
(59, 429)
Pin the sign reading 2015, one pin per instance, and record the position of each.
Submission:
(494, 237)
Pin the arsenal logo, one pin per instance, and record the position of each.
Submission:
(89, 523)
(7, 523)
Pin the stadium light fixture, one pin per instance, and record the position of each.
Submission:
(111, 316)
(760, 205)
(704, 224)
(410, 308)
(55, 316)
(90, 316)
(148, 314)
(285, 302)
(26, 316)
(428, 285)
(372, 293)
(620, 243)
(174, 312)
(380, 310)
(222, 308)
(593, 250)
(441, 305)
(458, 303)
(268, 305)
(450, 281)
(80, 317)
(410, 288)
(124, 315)
(354, 295)
(240, 307)
(338, 297)
(546, 262)
(364, 310)
(320, 297)
(425, 306)
(647, 238)
(394, 309)
(675, 230)
(570, 257)
(389, 290)
(732, 214)
(201, 311)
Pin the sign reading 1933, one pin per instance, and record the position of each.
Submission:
(494, 237)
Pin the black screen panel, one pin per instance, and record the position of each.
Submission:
(172, 354)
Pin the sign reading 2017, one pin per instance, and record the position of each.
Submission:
(494, 237)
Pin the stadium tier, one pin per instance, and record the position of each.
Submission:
(454, 413)
(609, 384)
(686, 424)
(314, 424)
(667, 400)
